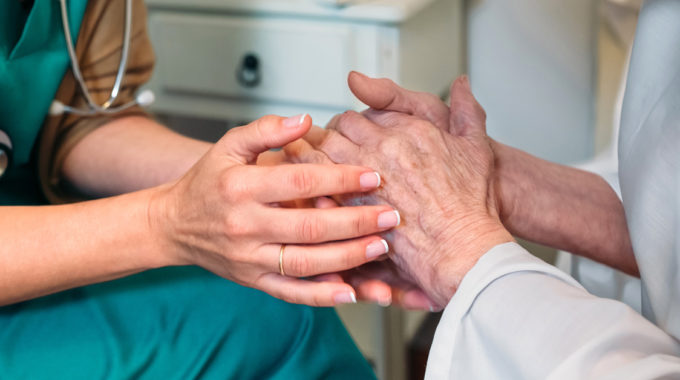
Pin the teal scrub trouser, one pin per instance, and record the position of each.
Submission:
(174, 323)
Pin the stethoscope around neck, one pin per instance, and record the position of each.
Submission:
(144, 98)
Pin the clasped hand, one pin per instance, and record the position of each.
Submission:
(225, 215)
(440, 178)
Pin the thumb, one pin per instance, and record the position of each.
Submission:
(245, 143)
(385, 95)
(467, 116)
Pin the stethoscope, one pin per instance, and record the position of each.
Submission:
(143, 99)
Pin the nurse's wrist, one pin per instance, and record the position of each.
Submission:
(159, 222)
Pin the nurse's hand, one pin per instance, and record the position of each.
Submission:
(225, 215)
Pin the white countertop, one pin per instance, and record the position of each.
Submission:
(384, 11)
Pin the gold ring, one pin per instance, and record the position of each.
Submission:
(283, 248)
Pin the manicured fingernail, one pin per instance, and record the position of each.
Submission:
(389, 219)
(369, 180)
(345, 298)
(376, 249)
(294, 121)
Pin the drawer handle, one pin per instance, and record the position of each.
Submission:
(248, 74)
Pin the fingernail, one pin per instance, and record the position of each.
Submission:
(385, 302)
(417, 300)
(294, 121)
(369, 180)
(466, 80)
(376, 249)
(343, 298)
(389, 219)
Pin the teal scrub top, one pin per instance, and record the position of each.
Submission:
(33, 61)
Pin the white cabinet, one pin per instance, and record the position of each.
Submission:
(239, 60)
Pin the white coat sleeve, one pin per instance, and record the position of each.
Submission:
(516, 317)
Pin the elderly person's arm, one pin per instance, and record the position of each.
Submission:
(540, 201)
(508, 314)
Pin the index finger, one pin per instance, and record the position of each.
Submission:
(302, 181)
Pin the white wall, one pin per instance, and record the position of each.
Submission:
(532, 66)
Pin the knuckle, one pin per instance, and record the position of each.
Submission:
(233, 187)
(333, 124)
(360, 225)
(290, 295)
(317, 301)
(418, 131)
(345, 119)
(300, 265)
(430, 98)
(304, 183)
(235, 226)
(260, 126)
(345, 180)
(309, 230)
(424, 133)
(479, 110)
(234, 133)
(389, 147)
(347, 259)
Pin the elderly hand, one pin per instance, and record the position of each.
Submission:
(382, 94)
(379, 281)
(224, 215)
(441, 183)
(597, 231)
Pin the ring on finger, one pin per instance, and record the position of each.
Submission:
(281, 271)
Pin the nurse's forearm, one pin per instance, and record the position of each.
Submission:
(563, 207)
(52, 248)
(130, 154)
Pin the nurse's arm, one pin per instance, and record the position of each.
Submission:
(222, 215)
(540, 201)
(128, 154)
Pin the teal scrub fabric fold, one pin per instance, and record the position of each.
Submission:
(174, 323)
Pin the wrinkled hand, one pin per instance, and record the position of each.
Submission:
(442, 183)
(224, 215)
(380, 281)
(382, 94)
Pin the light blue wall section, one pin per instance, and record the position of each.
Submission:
(532, 66)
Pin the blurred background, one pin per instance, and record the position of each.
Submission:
(548, 73)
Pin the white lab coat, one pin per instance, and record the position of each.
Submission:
(515, 317)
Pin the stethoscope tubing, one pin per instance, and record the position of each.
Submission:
(92, 108)
(115, 91)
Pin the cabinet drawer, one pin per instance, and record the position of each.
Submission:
(278, 60)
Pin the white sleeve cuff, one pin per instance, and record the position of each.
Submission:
(499, 261)
(515, 316)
